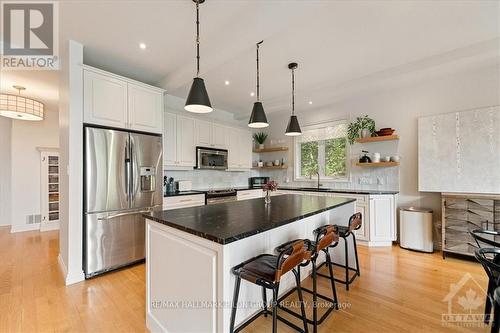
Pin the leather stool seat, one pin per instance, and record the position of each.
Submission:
(263, 267)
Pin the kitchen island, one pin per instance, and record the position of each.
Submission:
(190, 253)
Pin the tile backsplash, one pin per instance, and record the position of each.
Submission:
(360, 178)
(213, 179)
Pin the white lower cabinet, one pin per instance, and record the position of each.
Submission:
(382, 219)
(249, 194)
(183, 201)
(379, 215)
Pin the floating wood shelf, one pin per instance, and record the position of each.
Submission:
(272, 167)
(379, 164)
(270, 149)
(377, 138)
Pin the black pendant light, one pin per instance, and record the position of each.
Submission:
(293, 128)
(258, 117)
(198, 100)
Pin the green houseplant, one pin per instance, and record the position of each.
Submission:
(260, 138)
(362, 127)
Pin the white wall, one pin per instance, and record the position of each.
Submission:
(71, 160)
(5, 128)
(399, 108)
(26, 136)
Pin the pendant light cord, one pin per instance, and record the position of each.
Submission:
(293, 92)
(197, 40)
(258, 75)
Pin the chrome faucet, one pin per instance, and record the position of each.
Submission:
(317, 174)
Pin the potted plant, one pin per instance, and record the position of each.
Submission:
(363, 127)
(260, 138)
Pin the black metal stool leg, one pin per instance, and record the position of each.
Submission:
(332, 279)
(496, 317)
(346, 263)
(264, 300)
(356, 255)
(315, 296)
(275, 308)
(489, 299)
(301, 299)
(235, 303)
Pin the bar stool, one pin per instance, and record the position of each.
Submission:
(266, 270)
(487, 237)
(495, 325)
(355, 222)
(324, 237)
(488, 257)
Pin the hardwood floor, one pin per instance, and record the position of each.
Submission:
(398, 291)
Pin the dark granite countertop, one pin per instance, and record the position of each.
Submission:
(228, 222)
(178, 193)
(333, 190)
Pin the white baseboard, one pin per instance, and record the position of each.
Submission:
(74, 277)
(62, 266)
(70, 278)
(49, 226)
(24, 227)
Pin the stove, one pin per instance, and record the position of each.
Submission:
(221, 196)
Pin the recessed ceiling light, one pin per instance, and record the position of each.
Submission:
(310, 102)
(226, 82)
(142, 46)
(252, 94)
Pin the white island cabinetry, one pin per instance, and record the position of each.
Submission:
(195, 297)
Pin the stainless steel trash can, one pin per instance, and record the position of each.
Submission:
(415, 229)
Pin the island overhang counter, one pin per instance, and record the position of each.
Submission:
(190, 253)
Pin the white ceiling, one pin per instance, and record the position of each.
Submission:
(338, 44)
(40, 85)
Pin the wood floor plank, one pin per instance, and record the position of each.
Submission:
(398, 291)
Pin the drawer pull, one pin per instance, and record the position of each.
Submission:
(186, 200)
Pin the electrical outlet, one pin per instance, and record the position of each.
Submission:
(364, 181)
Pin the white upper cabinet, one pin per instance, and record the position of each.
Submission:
(209, 134)
(182, 135)
(145, 108)
(169, 139)
(178, 141)
(186, 148)
(220, 136)
(112, 100)
(203, 133)
(104, 100)
(240, 149)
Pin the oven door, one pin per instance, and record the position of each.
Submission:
(209, 158)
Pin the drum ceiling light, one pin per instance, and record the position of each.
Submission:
(19, 107)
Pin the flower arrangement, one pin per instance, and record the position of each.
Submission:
(269, 187)
(363, 126)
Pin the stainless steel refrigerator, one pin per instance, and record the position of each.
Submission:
(122, 181)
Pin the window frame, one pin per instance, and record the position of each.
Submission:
(321, 155)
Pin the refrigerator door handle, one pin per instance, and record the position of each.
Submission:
(127, 170)
(109, 217)
(132, 176)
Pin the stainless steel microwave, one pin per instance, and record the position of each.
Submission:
(211, 158)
